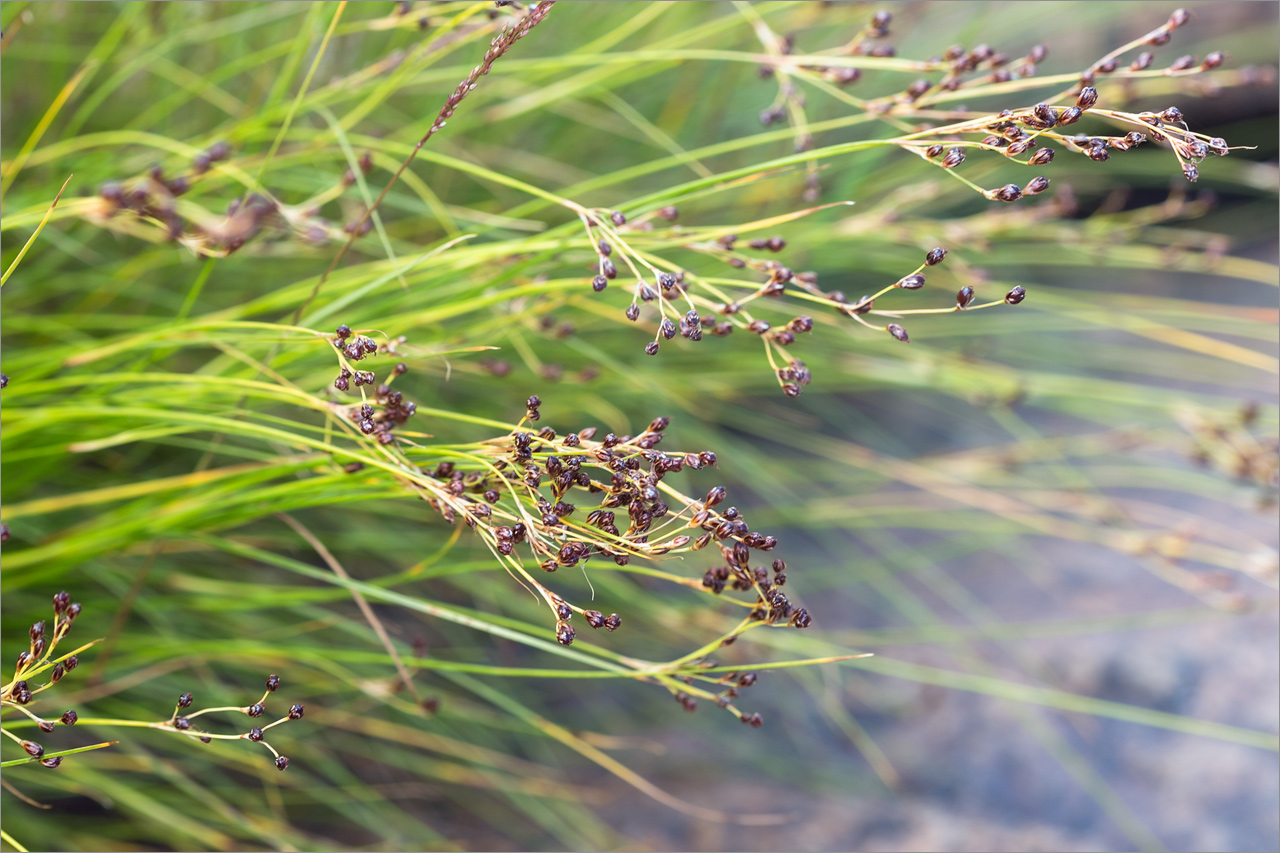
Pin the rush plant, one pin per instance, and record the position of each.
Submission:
(313, 375)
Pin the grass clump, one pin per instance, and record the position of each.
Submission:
(267, 417)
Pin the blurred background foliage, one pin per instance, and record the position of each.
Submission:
(1054, 524)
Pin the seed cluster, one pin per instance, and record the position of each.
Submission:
(180, 720)
(676, 300)
(32, 664)
(523, 492)
(391, 409)
(711, 311)
(151, 199)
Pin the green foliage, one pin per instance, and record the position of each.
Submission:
(176, 455)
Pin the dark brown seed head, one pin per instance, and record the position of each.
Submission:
(933, 152)
(33, 749)
(184, 701)
(36, 631)
(72, 661)
(1036, 186)
(934, 256)
(256, 710)
(45, 726)
(181, 723)
(955, 157)
(60, 602)
(1070, 115)
(1042, 157)
(915, 281)
(899, 333)
(1015, 295)
(296, 711)
(1178, 18)
(594, 618)
(964, 297)
(1008, 193)
(255, 734)
(69, 718)
(617, 218)
(1212, 61)
(282, 763)
(651, 348)
(53, 762)
(612, 622)
(564, 633)
(59, 670)
(599, 283)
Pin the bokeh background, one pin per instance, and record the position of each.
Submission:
(1070, 500)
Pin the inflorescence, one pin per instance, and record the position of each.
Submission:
(696, 305)
(180, 720)
(515, 491)
(38, 659)
(33, 663)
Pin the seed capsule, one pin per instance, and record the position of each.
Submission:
(933, 152)
(273, 682)
(1042, 157)
(934, 256)
(612, 622)
(281, 762)
(1087, 98)
(954, 158)
(564, 633)
(1070, 115)
(181, 723)
(296, 711)
(1008, 193)
(1036, 186)
(256, 710)
(599, 283)
(1016, 295)
(651, 348)
(184, 701)
(899, 333)
(53, 762)
(914, 281)
(255, 734)
(964, 297)
(69, 718)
